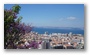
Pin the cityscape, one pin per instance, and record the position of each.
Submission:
(52, 41)
(44, 26)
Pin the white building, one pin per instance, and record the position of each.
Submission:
(70, 34)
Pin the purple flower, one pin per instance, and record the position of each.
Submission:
(14, 15)
(34, 44)
(40, 42)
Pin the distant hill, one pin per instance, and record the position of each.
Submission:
(71, 28)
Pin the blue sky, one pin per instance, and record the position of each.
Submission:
(53, 15)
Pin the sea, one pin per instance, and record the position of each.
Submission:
(41, 30)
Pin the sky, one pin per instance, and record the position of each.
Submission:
(52, 15)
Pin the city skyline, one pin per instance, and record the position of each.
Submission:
(53, 15)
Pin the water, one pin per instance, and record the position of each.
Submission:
(55, 30)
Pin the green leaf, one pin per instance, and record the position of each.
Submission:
(16, 8)
(19, 19)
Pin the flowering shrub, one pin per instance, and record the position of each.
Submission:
(13, 28)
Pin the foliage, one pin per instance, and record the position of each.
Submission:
(13, 28)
